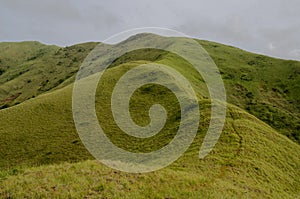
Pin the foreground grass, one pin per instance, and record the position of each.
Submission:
(226, 173)
(251, 160)
(91, 180)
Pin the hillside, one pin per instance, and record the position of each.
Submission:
(250, 160)
(266, 87)
(28, 69)
(42, 155)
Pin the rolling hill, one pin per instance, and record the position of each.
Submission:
(266, 87)
(258, 154)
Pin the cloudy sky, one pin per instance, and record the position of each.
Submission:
(269, 27)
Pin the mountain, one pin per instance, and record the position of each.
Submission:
(258, 154)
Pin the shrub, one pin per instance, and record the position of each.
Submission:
(1, 71)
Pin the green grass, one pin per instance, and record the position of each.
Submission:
(42, 156)
(31, 68)
(40, 131)
(265, 87)
(250, 160)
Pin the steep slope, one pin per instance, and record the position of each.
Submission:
(40, 131)
(250, 160)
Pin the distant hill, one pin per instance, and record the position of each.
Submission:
(28, 69)
(42, 156)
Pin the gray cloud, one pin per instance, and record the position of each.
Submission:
(270, 27)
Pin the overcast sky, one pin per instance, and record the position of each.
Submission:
(270, 27)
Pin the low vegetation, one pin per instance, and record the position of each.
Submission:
(258, 154)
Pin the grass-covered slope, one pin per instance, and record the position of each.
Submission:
(40, 131)
(266, 87)
(263, 86)
(28, 69)
(251, 159)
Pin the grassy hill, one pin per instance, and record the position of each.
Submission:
(250, 160)
(40, 146)
(28, 69)
(266, 87)
(263, 86)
